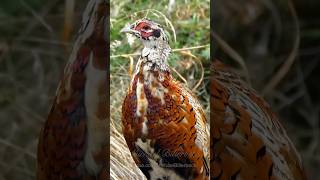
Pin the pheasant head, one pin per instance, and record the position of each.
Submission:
(156, 47)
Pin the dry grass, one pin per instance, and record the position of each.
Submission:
(32, 57)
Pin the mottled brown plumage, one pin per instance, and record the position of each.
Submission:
(247, 139)
(73, 143)
(163, 123)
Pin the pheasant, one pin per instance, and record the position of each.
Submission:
(163, 123)
(73, 143)
(247, 139)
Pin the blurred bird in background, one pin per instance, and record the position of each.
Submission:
(73, 143)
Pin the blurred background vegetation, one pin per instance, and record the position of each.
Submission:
(36, 37)
(280, 50)
(34, 47)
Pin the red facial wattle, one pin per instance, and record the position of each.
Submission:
(141, 27)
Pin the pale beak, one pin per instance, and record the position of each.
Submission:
(127, 29)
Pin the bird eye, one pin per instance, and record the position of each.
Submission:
(146, 28)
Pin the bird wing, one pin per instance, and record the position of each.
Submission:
(247, 139)
(62, 140)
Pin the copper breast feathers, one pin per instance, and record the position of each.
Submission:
(165, 127)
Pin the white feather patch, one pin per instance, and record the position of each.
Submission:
(157, 172)
(96, 128)
(157, 90)
(144, 126)
(142, 102)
